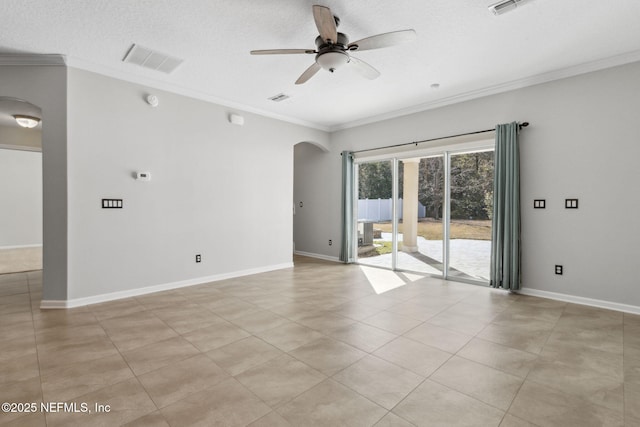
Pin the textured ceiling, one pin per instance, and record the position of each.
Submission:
(460, 45)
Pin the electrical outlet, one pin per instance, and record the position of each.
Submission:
(330, 242)
(198, 258)
(559, 270)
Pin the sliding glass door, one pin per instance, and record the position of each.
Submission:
(375, 213)
(471, 201)
(442, 223)
(420, 210)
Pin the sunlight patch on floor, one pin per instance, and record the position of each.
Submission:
(383, 280)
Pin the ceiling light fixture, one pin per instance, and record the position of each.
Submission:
(331, 61)
(26, 121)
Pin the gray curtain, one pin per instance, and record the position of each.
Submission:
(505, 239)
(346, 249)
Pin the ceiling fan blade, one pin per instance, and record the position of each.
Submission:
(364, 69)
(281, 51)
(308, 73)
(383, 40)
(326, 23)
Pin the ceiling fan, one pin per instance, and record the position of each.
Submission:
(333, 48)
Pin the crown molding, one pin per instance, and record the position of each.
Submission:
(588, 67)
(61, 60)
(16, 59)
(180, 90)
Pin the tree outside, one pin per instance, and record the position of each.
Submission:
(471, 184)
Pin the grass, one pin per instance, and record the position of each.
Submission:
(431, 229)
(385, 247)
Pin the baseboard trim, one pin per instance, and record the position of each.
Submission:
(625, 308)
(53, 304)
(79, 302)
(318, 256)
(20, 247)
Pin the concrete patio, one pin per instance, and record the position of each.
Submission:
(469, 259)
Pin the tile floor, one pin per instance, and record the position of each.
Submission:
(315, 345)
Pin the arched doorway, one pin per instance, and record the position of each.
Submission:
(21, 192)
(310, 213)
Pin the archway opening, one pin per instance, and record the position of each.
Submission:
(21, 192)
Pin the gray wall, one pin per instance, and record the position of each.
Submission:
(20, 198)
(213, 184)
(46, 87)
(16, 137)
(582, 143)
(216, 189)
(315, 222)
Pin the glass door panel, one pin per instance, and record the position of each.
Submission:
(420, 214)
(374, 213)
(471, 202)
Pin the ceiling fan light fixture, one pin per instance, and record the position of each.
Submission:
(333, 60)
(332, 47)
(26, 121)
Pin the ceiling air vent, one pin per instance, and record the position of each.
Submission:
(148, 58)
(505, 6)
(279, 97)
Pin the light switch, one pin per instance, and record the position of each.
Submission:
(112, 203)
(571, 203)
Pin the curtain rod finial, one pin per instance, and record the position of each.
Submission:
(524, 124)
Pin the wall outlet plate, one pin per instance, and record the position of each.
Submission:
(559, 270)
(198, 258)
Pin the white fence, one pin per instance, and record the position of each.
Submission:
(380, 210)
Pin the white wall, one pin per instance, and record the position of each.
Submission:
(46, 87)
(583, 143)
(217, 189)
(20, 198)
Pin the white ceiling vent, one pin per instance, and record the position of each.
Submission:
(148, 58)
(505, 6)
(279, 97)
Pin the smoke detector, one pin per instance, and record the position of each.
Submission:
(505, 6)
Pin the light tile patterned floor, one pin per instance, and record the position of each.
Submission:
(316, 346)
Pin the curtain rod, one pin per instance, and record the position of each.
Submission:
(520, 126)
